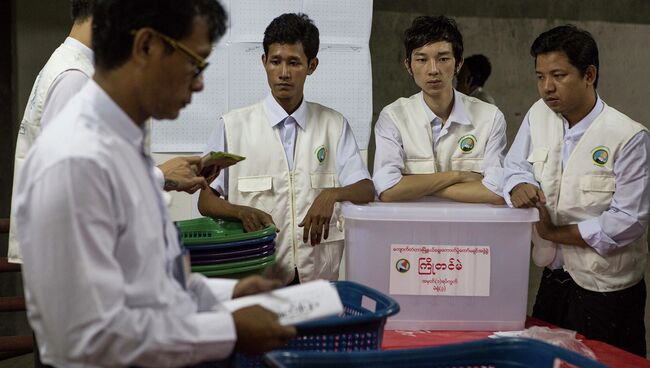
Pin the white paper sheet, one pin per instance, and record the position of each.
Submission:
(295, 304)
(236, 78)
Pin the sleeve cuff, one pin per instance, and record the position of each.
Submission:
(160, 177)
(592, 233)
(386, 181)
(222, 289)
(493, 180)
(217, 328)
(210, 292)
(355, 178)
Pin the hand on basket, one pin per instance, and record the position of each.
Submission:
(258, 330)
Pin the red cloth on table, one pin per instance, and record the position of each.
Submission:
(605, 353)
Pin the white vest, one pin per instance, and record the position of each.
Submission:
(264, 181)
(64, 58)
(462, 150)
(584, 190)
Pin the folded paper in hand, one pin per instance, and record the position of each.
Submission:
(295, 304)
(219, 159)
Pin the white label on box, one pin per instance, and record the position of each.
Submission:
(458, 270)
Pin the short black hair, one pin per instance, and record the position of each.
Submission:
(578, 45)
(479, 68)
(291, 28)
(113, 21)
(81, 10)
(429, 29)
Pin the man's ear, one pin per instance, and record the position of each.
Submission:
(460, 65)
(407, 65)
(313, 64)
(590, 75)
(263, 59)
(143, 45)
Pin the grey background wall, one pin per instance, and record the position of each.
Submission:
(500, 29)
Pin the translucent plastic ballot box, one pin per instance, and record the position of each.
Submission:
(450, 265)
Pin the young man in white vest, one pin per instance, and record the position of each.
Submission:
(585, 166)
(68, 69)
(438, 141)
(301, 160)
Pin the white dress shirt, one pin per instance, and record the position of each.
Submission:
(350, 167)
(390, 154)
(100, 255)
(66, 85)
(627, 217)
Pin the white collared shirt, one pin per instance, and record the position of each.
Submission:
(350, 167)
(627, 217)
(99, 260)
(390, 154)
(66, 85)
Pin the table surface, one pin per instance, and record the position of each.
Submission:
(605, 353)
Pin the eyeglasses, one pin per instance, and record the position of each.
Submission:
(197, 61)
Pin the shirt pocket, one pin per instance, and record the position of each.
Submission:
(538, 159)
(596, 191)
(467, 164)
(322, 180)
(257, 191)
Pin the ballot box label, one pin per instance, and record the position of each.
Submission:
(458, 270)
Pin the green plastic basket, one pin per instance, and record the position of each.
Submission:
(205, 230)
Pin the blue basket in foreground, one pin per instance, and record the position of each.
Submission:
(361, 327)
(490, 353)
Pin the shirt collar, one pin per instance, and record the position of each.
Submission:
(458, 113)
(111, 114)
(276, 114)
(580, 127)
(74, 43)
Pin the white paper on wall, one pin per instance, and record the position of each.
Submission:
(236, 77)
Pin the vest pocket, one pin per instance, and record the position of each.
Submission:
(419, 166)
(256, 191)
(596, 191)
(538, 159)
(467, 164)
(322, 181)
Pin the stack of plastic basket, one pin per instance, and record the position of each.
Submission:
(220, 248)
(499, 353)
(359, 328)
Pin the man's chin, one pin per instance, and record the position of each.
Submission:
(167, 115)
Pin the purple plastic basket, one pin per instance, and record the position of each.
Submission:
(234, 252)
(223, 259)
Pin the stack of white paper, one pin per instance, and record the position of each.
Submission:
(295, 304)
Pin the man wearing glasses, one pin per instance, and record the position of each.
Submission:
(301, 160)
(103, 275)
(64, 74)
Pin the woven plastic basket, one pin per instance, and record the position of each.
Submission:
(361, 327)
(491, 353)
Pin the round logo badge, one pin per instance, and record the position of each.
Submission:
(467, 143)
(321, 154)
(600, 155)
(402, 265)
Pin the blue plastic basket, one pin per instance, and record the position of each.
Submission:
(490, 353)
(361, 327)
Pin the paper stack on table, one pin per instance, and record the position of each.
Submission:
(295, 304)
